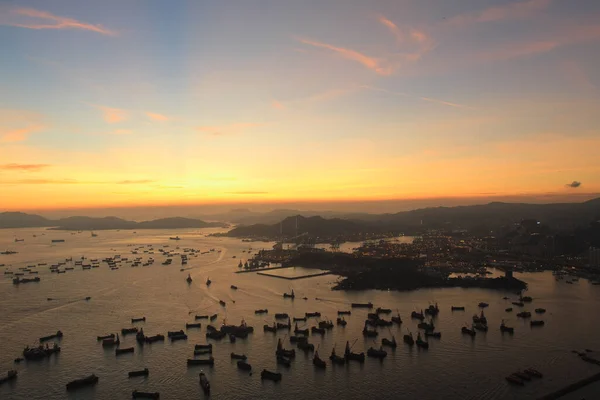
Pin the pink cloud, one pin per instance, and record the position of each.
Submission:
(393, 28)
(17, 125)
(112, 115)
(23, 167)
(35, 19)
(157, 117)
(518, 10)
(277, 105)
(428, 99)
(122, 132)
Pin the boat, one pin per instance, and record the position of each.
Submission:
(317, 362)
(201, 361)
(140, 337)
(349, 356)
(204, 383)
(397, 319)
(283, 352)
(368, 332)
(57, 335)
(155, 338)
(374, 353)
(127, 331)
(335, 359)
(18, 360)
(175, 238)
(298, 331)
(345, 312)
(524, 314)
(261, 311)
(189, 278)
(213, 317)
(215, 335)
(143, 372)
(284, 326)
(289, 295)
(10, 376)
(540, 310)
(534, 373)
(299, 319)
(318, 330)
(362, 305)
(57, 240)
(281, 316)
(417, 315)
(380, 310)
(536, 322)
(234, 287)
(134, 320)
(136, 394)
(204, 347)
(281, 360)
(426, 326)
(244, 366)
(18, 281)
(78, 383)
(208, 282)
(514, 380)
(457, 308)
(480, 326)
(273, 376)
(421, 343)
(527, 299)
(326, 324)
(522, 376)
(436, 335)
(509, 309)
(222, 303)
(507, 329)
(197, 317)
(238, 356)
(193, 325)
(175, 333)
(312, 314)
(40, 352)
(181, 336)
(270, 328)
(124, 350)
(342, 321)
(480, 319)
(518, 303)
(482, 305)
(468, 331)
(432, 310)
(111, 342)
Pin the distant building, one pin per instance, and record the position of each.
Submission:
(594, 257)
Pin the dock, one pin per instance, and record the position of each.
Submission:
(246, 271)
(571, 388)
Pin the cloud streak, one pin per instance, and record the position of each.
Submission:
(248, 192)
(112, 115)
(23, 167)
(30, 18)
(510, 11)
(220, 130)
(135, 182)
(17, 125)
(427, 99)
(157, 117)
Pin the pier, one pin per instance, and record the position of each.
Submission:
(571, 388)
(293, 278)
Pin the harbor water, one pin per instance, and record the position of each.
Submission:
(454, 367)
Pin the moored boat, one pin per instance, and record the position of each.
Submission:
(197, 317)
(298, 331)
(78, 383)
(349, 356)
(273, 376)
(233, 287)
(244, 366)
(57, 335)
(111, 336)
(421, 343)
(524, 314)
(181, 336)
(509, 309)
(436, 335)
(10, 376)
(312, 314)
(375, 353)
(457, 308)
(201, 361)
(362, 305)
(281, 316)
(482, 305)
(124, 350)
(155, 338)
(345, 312)
(127, 331)
(317, 362)
(380, 310)
(141, 319)
(536, 322)
(261, 311)
(213, 317)
(408, 339)
(203, 347)
(342, 321)
(238, 356)
(299, 319)
(335, 359)
(540, 310)
(204, 383)
(417, 315)
(514, 380)
(289, 295)
(507, 329)
(270, 328)
(397, 319)
(193, 325)
(281, 360)
(390, 343)
(143, 372)
(533, 372)
(468, 331)
(136, 394)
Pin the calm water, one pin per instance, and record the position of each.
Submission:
(454, 367)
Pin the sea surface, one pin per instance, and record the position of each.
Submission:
(454, 367)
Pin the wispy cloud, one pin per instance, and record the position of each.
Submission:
(277, 105)
(393, 28)
(510, 11)
(24, 167)
(36, 19)
(112, 115)
(248, 192)
(17, 125)
(157, 117)
(427, 99)
(371, 63)
(43, 182)
(135, 182)
(219, 130)
(121, 132)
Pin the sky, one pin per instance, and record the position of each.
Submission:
(124, 103)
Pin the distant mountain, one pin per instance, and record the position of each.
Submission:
(247, 217)
(22, 220)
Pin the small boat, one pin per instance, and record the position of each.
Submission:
(244, 366)
(197, 317)
(380, 310)
(175, 333)
(457, 308)
(408, 339)
(467, 331)
(140, 337)
(111, 342)
(127, 331)
(281, 316)
(432, 310)
(234, 287)
(374, 353)
(281, 360)
(10, 376)
(204, 383)
(435, 335)
(390, 343)
(507, 329)
(238, 356)
(298, 331)
(426, 326)
(261, 311)
(349, 356)
(397, 319)
(189, 279)
(180, 336)
(417, 315)
(317, 362)
(202, 352)
(299, 319)
(213, 317)
(421, 343)
(480, 319)
(534, 373)
(204, 347)
(222, 303)
(480, 326)
(524, 314)
(57, 335)
(134, 320)
(273, 376)
(368, 332)
(289, 295)
(522, 376)
(155, 338)
(518, 303)
(509, 309)
(362, 305)
(312, 314)
(335, 359)
(208, 282)
(136, 394)
(536, 322)
(143, 372)
(124, 350)
(283, 352)
(526, 299)
(193, 325)
(482, 305)
(215, 335)
(326, 324)
(270, 328)
(342, 321)
(205, 361)
(540, 310)
(345, 312)
(111, 336)
(78, 383)
(514, 380)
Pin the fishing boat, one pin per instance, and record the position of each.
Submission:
(507, 329)
(136, 394)
(345, 312)
(244, 366)
(435, 335)
(326, 324)
(193, 325)
(281, 316)
(408, 339)
(57, 335)
(143, 372)
(421, 343)
(518, 303)
(288, 326)
(215, 335)
(432, 310)
(304, 345)
(335, 359)
(397, 319)
(140, 337)
(18, 281)
(480, 319)
(524, 314)
(417, 315)
(155, 338)
(189, 278)
(390, 343)
(426, 326)
(201, 361)
(514, 380)
(197, 317)
(480, 326)
(299, 319)
(222, 303)
(208, 281)
(284, 352)
(124, 350)
(368, 332)
(312, 314)
(457, 308)
(298, 331)
(261, 311)
(281, 360)
(362, 305)
(349, 356)
(289, 295)
(482, 305)
(111, 342)
(78, 383)
(380, 310)
(10, 376)
(213, 317)
(273, 376)
(204, 347)
(204, 383)
(509, 309)
(540, 310)
(536, 322)
(175, 333)
(468, 331)
(234, 287)
(534, 373)
(317, 362)
(238, 356)
(320, 331)
(342, 321)
(374, 353)
(127, 331)
(526, 299)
